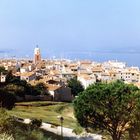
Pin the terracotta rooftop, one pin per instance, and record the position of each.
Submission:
(27, 74)
(52, 87)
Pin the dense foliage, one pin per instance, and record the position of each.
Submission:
(40, 89)
(7, 99)
(2, 70)
(14, 88)
(76, 86)
(111, 107)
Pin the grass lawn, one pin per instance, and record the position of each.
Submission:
(47, 111)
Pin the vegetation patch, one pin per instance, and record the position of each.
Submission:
(48, 114)
(11, 129)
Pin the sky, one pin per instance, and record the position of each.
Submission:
(69, 26)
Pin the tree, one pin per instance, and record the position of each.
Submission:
(110, 107)
(134, 130)
(76, 86)
(7, 99)
(2, 70)
(10, 78)
(41, 89)
(17, 90)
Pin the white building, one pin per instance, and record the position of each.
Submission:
(114, 64)
(130, 75)
(2, 78)
(86, 80)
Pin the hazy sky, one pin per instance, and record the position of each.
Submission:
(69, 25)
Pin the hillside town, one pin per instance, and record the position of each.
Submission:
(69, 70)
(55, 73)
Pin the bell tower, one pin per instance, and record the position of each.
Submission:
(37, 55)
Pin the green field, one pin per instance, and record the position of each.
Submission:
(47, 111)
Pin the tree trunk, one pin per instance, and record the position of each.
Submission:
(115, 137)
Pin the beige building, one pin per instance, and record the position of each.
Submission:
(28, 76)
(60, 93)
(129, 75)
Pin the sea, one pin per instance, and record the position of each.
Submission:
(131, 58)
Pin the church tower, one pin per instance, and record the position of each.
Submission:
(37, 55)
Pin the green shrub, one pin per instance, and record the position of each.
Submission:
(10, 129)
(5, 121)
(36, 123)
(78, 129)
(30, 135)
(5, 136)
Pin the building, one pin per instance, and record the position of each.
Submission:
(28, 76)
(86, 80)
(60, 93)
(37, 55)
(2, 78)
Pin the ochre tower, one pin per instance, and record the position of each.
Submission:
(37, 55)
